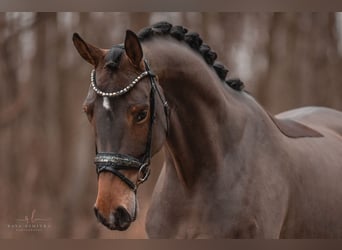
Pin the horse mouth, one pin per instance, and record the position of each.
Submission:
(123, 227)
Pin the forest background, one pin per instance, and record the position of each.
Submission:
(286, 60)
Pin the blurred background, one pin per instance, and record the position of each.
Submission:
(286, 60)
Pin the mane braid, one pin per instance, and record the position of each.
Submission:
(195, 42)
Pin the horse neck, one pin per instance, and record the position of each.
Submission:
(207, 119)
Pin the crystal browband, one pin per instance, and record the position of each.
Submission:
(119, 92)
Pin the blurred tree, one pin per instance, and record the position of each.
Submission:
(303, 62)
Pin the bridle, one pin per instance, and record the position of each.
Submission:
(114, 162)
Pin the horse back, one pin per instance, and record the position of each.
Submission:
(321, 119)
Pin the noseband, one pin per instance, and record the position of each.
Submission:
(114, 162)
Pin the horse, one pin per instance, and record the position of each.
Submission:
(231, 169)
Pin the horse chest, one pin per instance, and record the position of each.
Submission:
(168, 220)
(175, 214)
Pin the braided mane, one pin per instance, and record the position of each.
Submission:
(195, 42)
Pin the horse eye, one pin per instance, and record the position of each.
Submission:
(141, 116)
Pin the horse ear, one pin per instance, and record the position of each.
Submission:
(87, 51)
(133, 48)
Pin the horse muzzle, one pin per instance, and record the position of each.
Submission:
(120, 219)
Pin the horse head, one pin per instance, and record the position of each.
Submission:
(125, 106)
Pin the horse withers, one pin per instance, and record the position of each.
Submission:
(231, 170)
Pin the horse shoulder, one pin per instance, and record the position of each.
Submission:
(166, 212)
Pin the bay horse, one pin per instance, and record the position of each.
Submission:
(231, 169)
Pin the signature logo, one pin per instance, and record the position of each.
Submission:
(33, 219)
(30, 223)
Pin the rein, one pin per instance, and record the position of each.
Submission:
(114, 162)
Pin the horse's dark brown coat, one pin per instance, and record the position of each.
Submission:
(294, 129)
(229, 171)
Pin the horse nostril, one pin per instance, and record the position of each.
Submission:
(122, 214)
(122, 218)
(99, 217)
(96, 211)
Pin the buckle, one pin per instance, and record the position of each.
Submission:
(144, 173)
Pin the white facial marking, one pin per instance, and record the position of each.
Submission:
(106, 103)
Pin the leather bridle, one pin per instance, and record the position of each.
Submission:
(114, 162)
